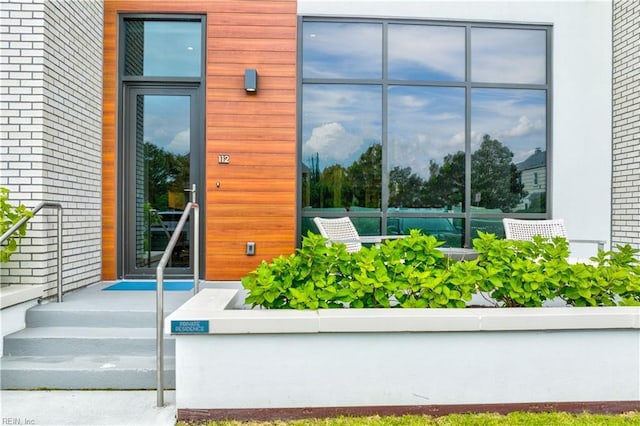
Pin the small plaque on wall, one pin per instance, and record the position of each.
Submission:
(190, 327)
(224, 159)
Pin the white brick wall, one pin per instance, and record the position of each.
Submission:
(51, 91)
(626, 123)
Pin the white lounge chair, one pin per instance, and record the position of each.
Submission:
(342, 230)
(518, 229)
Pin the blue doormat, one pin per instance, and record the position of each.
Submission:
(149, 286)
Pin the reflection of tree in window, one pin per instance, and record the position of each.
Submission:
(366, 178)
(445, 187)
(495, 176)
(406, 189)
(166, 172)
(358, 185)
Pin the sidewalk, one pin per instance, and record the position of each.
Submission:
(87, 408)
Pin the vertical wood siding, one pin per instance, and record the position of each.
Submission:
(256, 198)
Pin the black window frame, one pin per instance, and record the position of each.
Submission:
(127, 83)
(467, 215)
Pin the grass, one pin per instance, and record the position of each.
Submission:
(511, 419)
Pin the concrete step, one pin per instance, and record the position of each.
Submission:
(81, 341)
(55, 315)
(84, 372)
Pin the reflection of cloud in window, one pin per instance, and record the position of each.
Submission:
(423, 123)
(508, 55)
(409, 101)
(524, 127)
(334, 50)
(515, 117)
(426, 52)
(333, 144)
(355, 109)
(181, 143)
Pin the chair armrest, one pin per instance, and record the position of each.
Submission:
(600, 243)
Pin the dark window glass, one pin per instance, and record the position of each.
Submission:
(341, 50)
(163, 48)
(503, 55)
(509, 147)
(426, 52)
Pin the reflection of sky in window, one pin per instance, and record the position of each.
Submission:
(425, 123)
(341, 50)
(501, 55)
(167, 122)
(172, 48)
(339, 122)
(514, 117)
(419, 52)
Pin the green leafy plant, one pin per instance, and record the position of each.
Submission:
(309, 279)
(527, 273)
(409, 272)
(520, 273)
(421, 275)
(9, 216)
(615, 278)
(412, 273)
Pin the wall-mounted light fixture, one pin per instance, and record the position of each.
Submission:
(250, 80)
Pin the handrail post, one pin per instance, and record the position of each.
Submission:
(196, 248)
(159, 336)
(160, 294)
(196, 240)
(59, 284)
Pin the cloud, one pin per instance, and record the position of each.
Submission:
(524, 127)
(181, 143)
(508, 55)
(440, 51)
(333, 144)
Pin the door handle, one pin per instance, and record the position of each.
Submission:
(192, 190)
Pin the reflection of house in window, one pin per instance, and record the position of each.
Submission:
(533, 175)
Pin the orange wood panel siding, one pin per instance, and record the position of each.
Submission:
(256, 198)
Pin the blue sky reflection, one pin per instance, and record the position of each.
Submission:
(339, 122)
(421, 52)
(425, 123)
(342, 50)
(515, 117)
(167, 122)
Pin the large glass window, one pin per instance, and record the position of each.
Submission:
(439, 126)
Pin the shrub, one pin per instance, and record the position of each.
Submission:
(527, 273)
(9, 216)
(409, 272)
(412, 273)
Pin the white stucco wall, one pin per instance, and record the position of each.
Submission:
(581, 90)
(281, 358)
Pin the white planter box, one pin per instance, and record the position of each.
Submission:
(284, 359)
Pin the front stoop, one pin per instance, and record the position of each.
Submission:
(75, 345)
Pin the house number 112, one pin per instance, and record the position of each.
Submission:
(224, 159)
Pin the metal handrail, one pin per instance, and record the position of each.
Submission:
(160, 286)
(18, 224)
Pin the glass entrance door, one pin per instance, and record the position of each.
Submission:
(162, 151)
